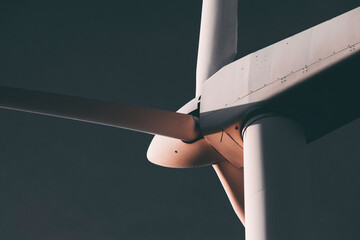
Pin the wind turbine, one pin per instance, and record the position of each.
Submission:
(250, 100)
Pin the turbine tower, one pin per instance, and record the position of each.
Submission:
(251, 118)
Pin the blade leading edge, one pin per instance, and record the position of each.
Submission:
(218, 38)
(152, 121)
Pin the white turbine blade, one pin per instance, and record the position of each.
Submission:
(218, 38)
(232, 180)
(153, 121)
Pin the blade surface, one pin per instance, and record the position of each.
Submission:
(153, 121)
(218, 38)
(232, 180)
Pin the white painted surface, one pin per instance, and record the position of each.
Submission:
(174, 153)
(277, 181)
(218, 38)
(280, 66)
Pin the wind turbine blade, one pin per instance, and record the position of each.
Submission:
(153, 121)
(218, 38)
(232, 179)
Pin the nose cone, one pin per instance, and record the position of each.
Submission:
(174, 153)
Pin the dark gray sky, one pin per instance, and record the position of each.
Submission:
(61, 179)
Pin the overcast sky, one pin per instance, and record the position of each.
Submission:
(62, 179)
